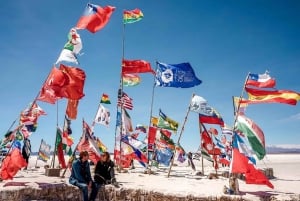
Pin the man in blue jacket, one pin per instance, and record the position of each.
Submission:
(81, 177)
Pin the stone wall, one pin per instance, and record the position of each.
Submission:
(65, 192)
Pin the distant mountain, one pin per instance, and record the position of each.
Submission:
(283, 149)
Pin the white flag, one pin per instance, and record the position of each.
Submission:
(198, 104)
(103, 116)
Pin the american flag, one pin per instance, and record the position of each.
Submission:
(124, 100)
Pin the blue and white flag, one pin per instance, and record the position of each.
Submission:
(176, 75)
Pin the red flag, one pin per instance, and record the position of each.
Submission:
(95, 17)
(12, 164)
(240, 164)
(208, 144)
(51, 88)
(74, 82)
(136, 66)
(60, 155)
(151, 137)
(72, 108)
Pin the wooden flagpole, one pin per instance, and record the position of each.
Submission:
(182, 129)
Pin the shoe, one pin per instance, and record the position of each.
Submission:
(115, 183)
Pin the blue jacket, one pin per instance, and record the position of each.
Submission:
(80, 172)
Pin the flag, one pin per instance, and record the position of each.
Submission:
(209, 115)
(67, 56)
(72, 108)
(130, 80)
(164, 155)
(166, 122)
(64, 82)
(60, 148)
(87, 143)
(138, 155)
(126, 121)
(30, 115)
(131, 16)
(208, 145)
(254, 135)
(260, 80)
(239, 105)
(94, 17)
(74, 82)
(241, 164)
(102, 116)
(105, 99)
(141, 128)
(49, 91)
(67, 126)
(272, 96)
(151, 137)
(11, 164)
(243, 148)
(226, 129)
(44, 151)
(198, 104)
(71, 48)
(176, 75)
(136, 66)
(124, 100)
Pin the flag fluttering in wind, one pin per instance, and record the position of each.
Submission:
(105, 99)
(176, 75)
(167, 123)
(71, 48)
(241, 164)
(87, 143)
(198, 104)
(254, 135)
(65, 82)
(272, 96)
(102, 116)
(136, 66)
(44, 151)
(94, 17)
(124, 100)
(131, 16)
(130, 80)
(261, 80)
(29, 117)
(11, 164)
(211, 116)
(239, 105)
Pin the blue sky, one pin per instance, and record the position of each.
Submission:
(222, 40)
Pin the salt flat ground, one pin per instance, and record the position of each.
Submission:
(182, 180)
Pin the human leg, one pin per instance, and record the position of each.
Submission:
(94, 192)
(84, 189)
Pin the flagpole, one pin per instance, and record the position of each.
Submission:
(55, 147)
(239, 104)
(122, 104)
(201, 147)
(151, 112)
(182, 129)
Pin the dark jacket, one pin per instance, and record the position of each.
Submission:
(104, 172)
(80, 172)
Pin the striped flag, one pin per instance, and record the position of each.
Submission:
(124, 100)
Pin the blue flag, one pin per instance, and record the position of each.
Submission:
(176, 75)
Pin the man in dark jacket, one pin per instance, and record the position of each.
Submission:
(104, 171)
(81, 177)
